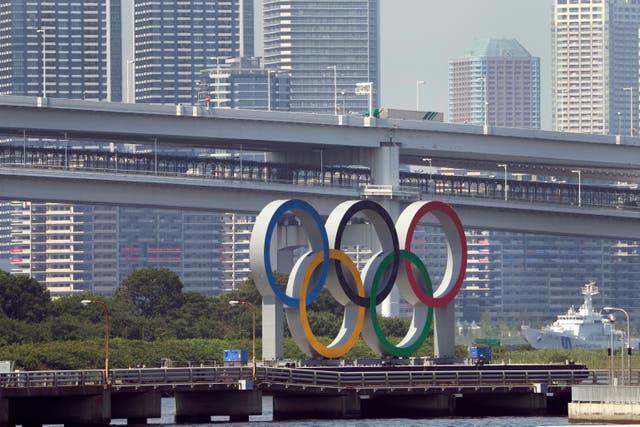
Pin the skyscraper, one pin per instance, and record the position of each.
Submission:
(243, 84)
(497, 83)
(328, 46)
(595, 66)
(176, 39)
(69, 49)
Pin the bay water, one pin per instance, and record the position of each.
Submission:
(266, 420)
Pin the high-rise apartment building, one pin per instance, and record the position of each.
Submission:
(74, 248)
(497, 83)
(243, 84)
(328, 46)
(595, 66)
(61, 49)
(176, 39)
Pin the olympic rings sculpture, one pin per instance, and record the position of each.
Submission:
(359, 292)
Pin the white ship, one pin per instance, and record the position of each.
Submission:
(582, 328)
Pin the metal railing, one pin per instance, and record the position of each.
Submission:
(296, 376)
(392, 378)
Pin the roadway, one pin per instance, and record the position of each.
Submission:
(198, 192)
(342, 138)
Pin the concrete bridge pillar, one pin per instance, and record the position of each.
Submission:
(83, 407)
(136, 408)
(385, 170)
(4, 412)
(299, 407)
(409, 406)
(528, 404)
(200, 406)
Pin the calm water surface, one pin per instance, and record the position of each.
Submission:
(266, 420)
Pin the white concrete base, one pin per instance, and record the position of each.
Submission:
(604, 412)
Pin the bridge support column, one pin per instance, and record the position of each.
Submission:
(343, 406)
(200, 406)
(4, 412)
(74, 407)
(528, 404)
(385, 170)
(136, 408)
(412, 406)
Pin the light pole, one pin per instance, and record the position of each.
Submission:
(418, 83)
(321, 166)
(504, 165)
(630, 89)
(612, 366)
(130, 62)
(44, 61)
(106, 335)
(428, 160)
(335, 88)
(344, 108)
(628, 339)
(485, 103)
(619, 121)
(253, 334)
(579, 172)
(269, 90)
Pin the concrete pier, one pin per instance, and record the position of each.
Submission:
(409, 406)
(512, 403)
(200, 406)
(605, 404)
(316, 406)
(71, 406)
(136, 407)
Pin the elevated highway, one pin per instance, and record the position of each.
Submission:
(150, 190)
(343, 139)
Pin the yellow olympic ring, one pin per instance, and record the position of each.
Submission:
(341, 344)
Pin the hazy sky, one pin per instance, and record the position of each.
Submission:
(418, 37)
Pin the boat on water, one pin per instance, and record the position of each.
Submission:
(582, 328)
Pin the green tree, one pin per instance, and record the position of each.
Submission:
(153, 291)
(23, 298)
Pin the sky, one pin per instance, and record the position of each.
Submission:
(419, 37)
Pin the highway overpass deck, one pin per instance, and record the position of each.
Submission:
(341, 137)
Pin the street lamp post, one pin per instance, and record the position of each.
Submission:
(418, 83)
(268, 90)
(619, 121)
(579, 172)
(506, 184)
(130, 62)
(428, 160)
(628, 338)
(485, 109)
(630, 89)
(253, 334)
(44, 61)
(106, 335)
(335, 88)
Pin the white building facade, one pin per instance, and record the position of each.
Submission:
(595, 66)
(328, 46)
